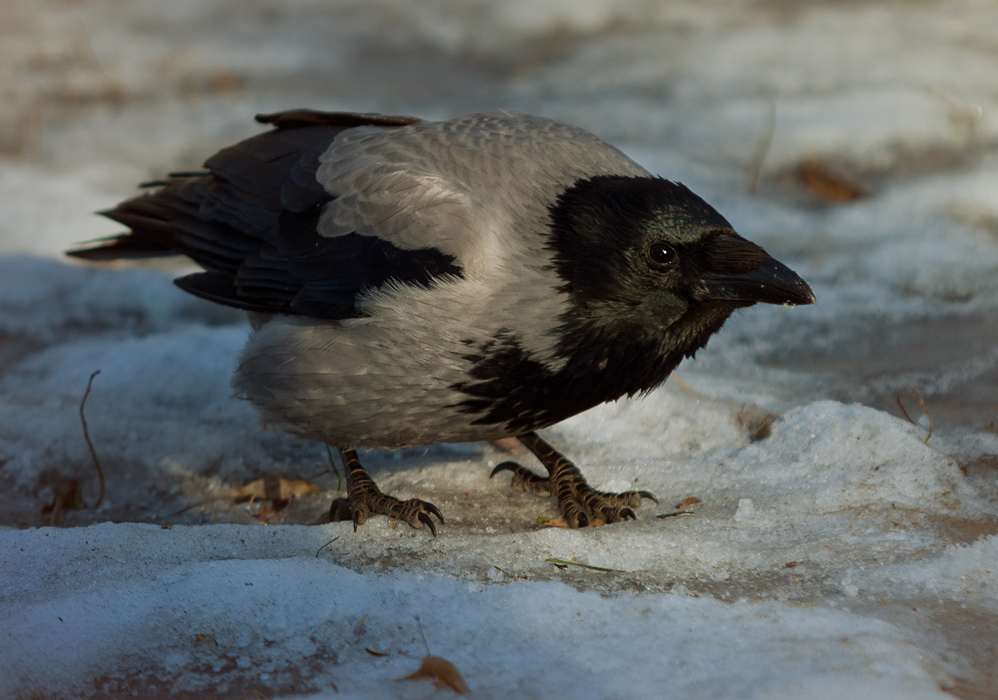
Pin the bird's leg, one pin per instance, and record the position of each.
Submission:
(579, 502)
(364, 498)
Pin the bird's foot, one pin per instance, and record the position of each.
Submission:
(365, 498)
(413, 511)
(580, 504)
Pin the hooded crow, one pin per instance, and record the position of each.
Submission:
(414, 282)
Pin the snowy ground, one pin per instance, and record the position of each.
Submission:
(836, 554)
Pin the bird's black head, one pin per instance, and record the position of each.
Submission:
(653, 271)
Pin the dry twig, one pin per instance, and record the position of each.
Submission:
(332, 466)
(90, 444)
(765, 143)
(917, 396)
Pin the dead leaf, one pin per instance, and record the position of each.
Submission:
(273, 487)
(225, 81)
(828, 184)
(687, 502)
(67, 496)
(374, 652)
(442, 672)
(266, 512)
(757, 423)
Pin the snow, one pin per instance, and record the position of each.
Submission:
(267, 609)
(837, 549)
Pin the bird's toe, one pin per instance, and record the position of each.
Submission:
(505, 467)
(524, 479)
(580, 520)
(340, 510)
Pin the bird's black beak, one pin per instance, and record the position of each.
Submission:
(771, 282)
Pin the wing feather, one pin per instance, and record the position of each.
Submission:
(251, 222)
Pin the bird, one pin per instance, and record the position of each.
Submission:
(411, 282)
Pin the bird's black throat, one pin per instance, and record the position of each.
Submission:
(509, 386)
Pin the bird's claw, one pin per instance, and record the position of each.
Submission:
(583, 504)
(426, 520)
(414, 511)
(579, 503)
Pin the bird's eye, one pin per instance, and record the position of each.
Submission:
(661, 255)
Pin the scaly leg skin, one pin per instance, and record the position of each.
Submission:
(579, 502)
(364, 498)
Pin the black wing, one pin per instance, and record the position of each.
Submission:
(251, 219)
